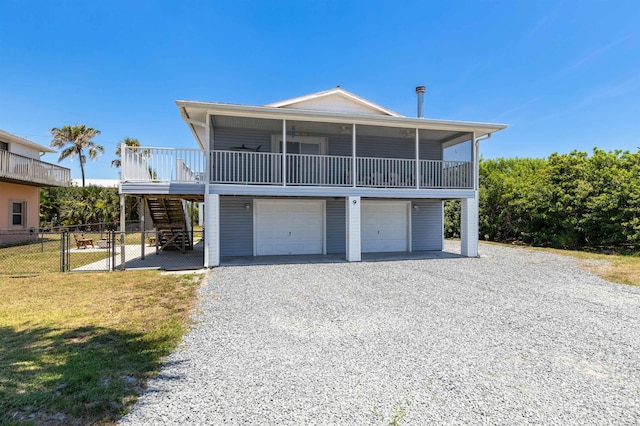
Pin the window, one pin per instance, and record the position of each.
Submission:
(18, 214)
(4, 146)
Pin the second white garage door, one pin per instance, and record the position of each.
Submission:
(288, 227)
(384, 226)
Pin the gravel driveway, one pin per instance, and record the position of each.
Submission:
(514, 337)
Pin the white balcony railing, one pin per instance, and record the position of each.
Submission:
(246, 167)
(385, 172)
(324, 170)
(265, 168)
(16, 167)
(446, 174)
(162, 165)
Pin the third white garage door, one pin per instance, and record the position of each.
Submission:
(385, 226)
(288, 227)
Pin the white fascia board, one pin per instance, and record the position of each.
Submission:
(480, 129)
(185, 116)
(337, 191)
(162, 188)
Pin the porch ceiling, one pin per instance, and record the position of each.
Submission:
(244, 116)
(327, 128)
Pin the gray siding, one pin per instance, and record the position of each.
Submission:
(236, 226)
(225, 138)
(426, 225)
(336, 226)
(372, 146)
(366, 146)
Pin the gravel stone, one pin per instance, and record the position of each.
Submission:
(513, 337)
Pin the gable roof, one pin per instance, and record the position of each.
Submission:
(9, 137)
(335, 100)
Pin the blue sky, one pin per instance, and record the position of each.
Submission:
(564, 75)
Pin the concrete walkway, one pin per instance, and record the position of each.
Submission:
(169, 260)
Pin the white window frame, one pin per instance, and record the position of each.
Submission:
(23, 203)
(276, 140)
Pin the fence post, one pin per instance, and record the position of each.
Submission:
(123, 260)
(62, 238)
(112, 243)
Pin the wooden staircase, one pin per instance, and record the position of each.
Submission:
(170, 220)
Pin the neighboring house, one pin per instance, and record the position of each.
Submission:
(325, 173)
(102, 183)
(21, 176)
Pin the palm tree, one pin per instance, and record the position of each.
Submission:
(79, 139)
(128, 142)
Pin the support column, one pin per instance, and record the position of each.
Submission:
(212, 230)
(211, 206)
(417, 171)
(353, 250)
(354, 163)
(284, 152)
(123, 230)
(469, 226)
(143, 228)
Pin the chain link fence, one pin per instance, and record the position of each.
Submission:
(87, 249)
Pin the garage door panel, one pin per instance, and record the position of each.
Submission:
(384, 226)
(289, 227)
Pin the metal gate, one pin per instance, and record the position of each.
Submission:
(88, 251)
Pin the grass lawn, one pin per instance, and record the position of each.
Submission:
(43, 256)
(624, 269)
(77, 349)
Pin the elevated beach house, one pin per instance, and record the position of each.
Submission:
(325, 173)
(21, 176)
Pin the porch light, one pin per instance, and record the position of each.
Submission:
(247, 206)
(416, 207)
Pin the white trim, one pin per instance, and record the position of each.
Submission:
(409, 226)
(23, 213)
(417, 172)
(335, 191)
(11, 138)
(353, 230)
(316, 140)
(236, 110)
(255, 208)
(469, 227)
(256, 212)
(354, 174)
(183, 113)
(284, 153)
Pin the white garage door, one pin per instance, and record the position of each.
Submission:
(384, 226)
(289, 227)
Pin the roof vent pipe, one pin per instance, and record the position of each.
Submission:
(420, 92)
